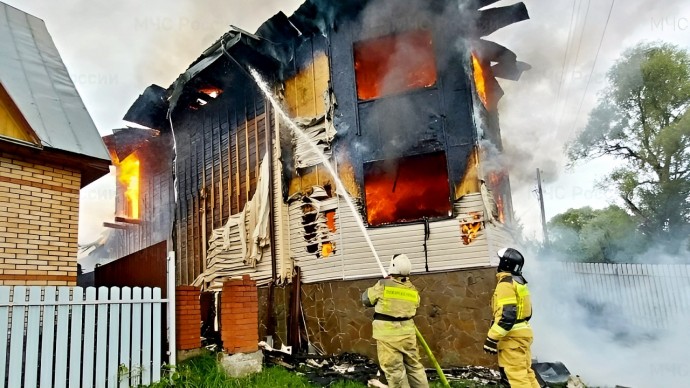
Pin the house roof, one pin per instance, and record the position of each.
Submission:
(37, 81)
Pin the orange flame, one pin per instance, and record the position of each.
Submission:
(501, 212)
(128, 175)
(407, 189)
(394, 64)
(480, 80)
(495, 181)
(326, 249)
(470, 230)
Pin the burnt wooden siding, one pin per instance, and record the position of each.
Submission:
(219, 149)
(156, 200)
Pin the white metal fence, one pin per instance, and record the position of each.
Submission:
(75, 337)
(651, 296)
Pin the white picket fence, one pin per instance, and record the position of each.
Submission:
(75, 337)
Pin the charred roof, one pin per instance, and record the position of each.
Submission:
(271, 48)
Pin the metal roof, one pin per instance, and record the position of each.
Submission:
(33, 74)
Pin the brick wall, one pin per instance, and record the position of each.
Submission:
(39, 216)
(239, 316)
(188, 317)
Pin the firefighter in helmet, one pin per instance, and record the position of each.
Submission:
(510, 335)
(395, 301)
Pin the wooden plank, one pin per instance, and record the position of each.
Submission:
(76, 339)
(61, 348)
(4, 325)
(157, 334)
(136, 338)
(47, 337)
(113, 338)
(125, 322)
(238, 204)
(246, 155)
(89, 340)
(229, 152)
(257, 157)
(101, 336)
(112, 225)
(221, 182)
(146, 339)
(201, 260)
(16, 353)
(32, 329)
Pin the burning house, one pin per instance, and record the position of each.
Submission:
(401, 98)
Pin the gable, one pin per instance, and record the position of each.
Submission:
(13, 126)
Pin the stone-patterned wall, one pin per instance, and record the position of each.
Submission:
(453, 318)
(281, 305)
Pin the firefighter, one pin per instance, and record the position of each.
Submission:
(510, 335)
(395, 301)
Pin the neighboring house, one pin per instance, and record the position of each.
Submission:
(402, 99)
(49, 150)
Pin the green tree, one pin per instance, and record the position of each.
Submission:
(596, 236)
(643, 119)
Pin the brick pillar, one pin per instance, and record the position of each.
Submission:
(188, 317)
(240, 316)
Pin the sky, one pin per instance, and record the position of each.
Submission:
(115, 49)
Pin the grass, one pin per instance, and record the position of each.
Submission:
(205, 372)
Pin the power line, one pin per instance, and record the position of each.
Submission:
(594, 65)
(577, 57)
(582, 34)
(567, 49)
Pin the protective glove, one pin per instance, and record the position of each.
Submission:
(491, 346)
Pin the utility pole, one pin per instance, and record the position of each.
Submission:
(541, 205)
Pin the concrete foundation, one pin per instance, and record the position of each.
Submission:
(242, 364)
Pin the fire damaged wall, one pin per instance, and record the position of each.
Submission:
(144, 192)
(454, 316)
(221, 139)
(435, 116)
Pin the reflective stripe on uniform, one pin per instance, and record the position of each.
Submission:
(522, 292)
(503, 332)
(401, 294)
(508, 300)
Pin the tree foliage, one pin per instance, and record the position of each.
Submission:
(643, 119)
(596, 236)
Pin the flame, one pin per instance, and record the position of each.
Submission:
(495, 180)
(479, 80)
(407, 189)
(470, 230)
(326, 249)
(394, 64)
(128, 175)
(211, 91)
(501, 212)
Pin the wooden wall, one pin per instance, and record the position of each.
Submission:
(304, 97)
(220, 147)
(156, 200)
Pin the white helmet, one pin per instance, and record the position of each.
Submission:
(400, 265)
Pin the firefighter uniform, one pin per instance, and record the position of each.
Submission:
(512, 309)
(395, 301)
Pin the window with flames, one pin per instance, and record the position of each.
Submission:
(407, 189)
(394, 64)
(128, 177)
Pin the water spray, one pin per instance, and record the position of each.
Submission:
(340, 189)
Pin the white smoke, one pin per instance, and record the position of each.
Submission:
(600, 332)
